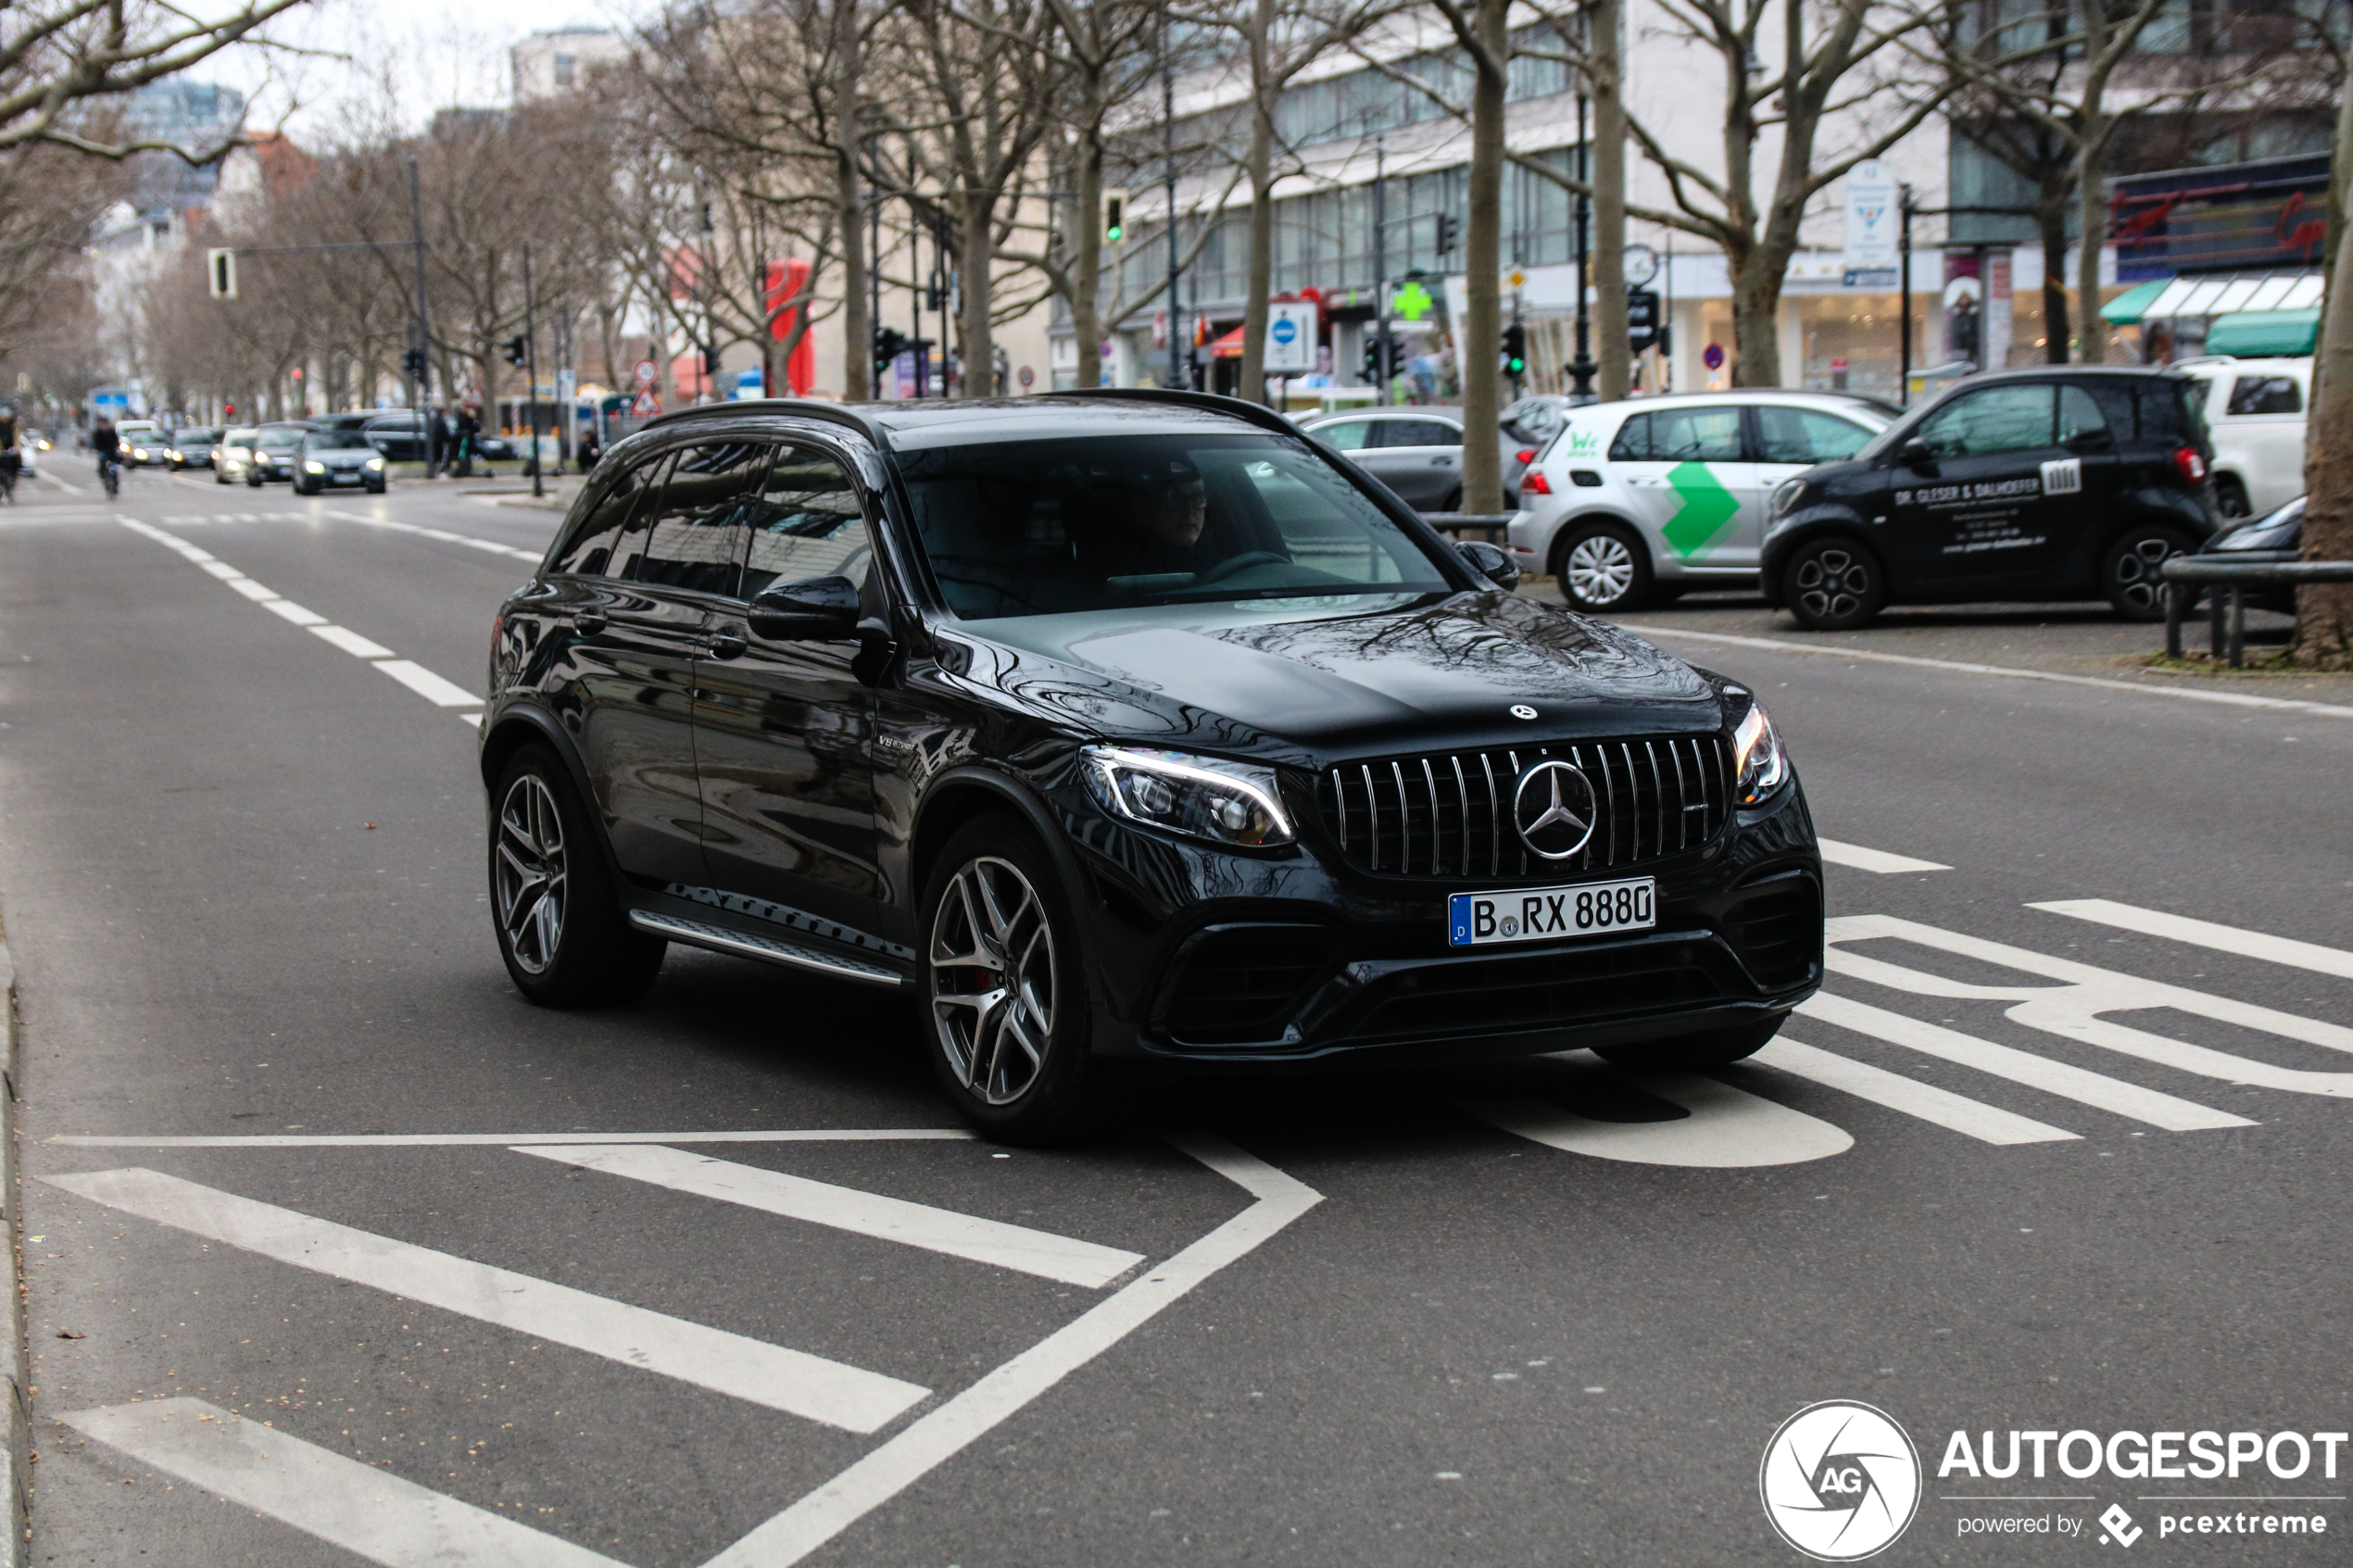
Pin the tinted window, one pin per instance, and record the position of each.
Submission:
(1419, 433)
(279, 440)
(335, 440)
(1101, 522)
(2116, 401)
(1695, 435)
(1998, 418)
(602, 515)
(1806, 435)
(2266, 394)
(805, 521)
(689, 534)
(2079, 414)
(1349, 435)
(1633, 443)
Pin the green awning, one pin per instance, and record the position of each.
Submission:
(2126, 307)
(2256, 335)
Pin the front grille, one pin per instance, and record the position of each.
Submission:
(1241, 985)
(1451, 815)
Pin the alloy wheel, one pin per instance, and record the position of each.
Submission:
(1601, 569)
(1832, 585)
(2140, 579)
(993, 980)
(531, 884)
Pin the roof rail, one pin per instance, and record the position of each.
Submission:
(806, 408)
(1257, 414)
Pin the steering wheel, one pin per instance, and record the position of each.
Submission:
(1225, 569)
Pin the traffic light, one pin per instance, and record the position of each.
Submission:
(1516, 351)
(412, 363)
(889, 344)
(220, 273)
(1397, 358)
(1114, 216)
(1450, 229)
(514, 351)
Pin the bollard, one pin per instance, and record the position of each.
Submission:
(2173, 620)
(2214, 611)
(2238, 626)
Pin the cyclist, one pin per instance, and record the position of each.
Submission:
(108, 443)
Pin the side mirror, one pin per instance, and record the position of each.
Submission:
(816, 609)
(1915, 453)
(1489, 562)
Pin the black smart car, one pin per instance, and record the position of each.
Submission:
(2053, 484)
(1124, 729)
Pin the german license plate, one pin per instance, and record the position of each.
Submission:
(1548, 914)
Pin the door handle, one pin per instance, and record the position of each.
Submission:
(1442, 462)
(726, 645)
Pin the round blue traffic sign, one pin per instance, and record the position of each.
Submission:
(1285, 331)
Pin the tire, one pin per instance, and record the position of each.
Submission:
(2230, 497)
(1020, 1069)
(1602, 568)
(1834, 585)
(376, 489)
(545, 857)
(1697, 1053)
(2129, 571)
(252, 481)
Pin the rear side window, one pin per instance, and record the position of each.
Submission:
(2116, 402)
(2079, 415)
(690, 532)
(1419, 433)
(1806, 435)
(1695, 435)
(1349, 435)
(2266, 394)
(587, 552)
(1633, 443)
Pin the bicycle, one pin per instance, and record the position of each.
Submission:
(10, 465)
(110, 474)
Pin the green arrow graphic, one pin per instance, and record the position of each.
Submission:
(1706, 508)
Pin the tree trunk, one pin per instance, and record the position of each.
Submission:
(2324, 610)
(1086, 329)
(1263, 94)
(1613, 350)
(850, 204)
(2091, 328)
(1479, 347)
(1757, 308)
(2050, 216)
(975, 237)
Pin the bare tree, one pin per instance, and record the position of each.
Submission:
(60, 59)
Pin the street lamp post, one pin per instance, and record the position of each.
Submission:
(531, 367)
(1382, 351)
(1168, 151)
(424, 328)
(1580, 372)
(1904, 286)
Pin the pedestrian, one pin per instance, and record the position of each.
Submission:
(468, 433)
(588, 449)
(11, 461)
(436, 440)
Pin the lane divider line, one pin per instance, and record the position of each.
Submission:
(993, 1242)
(368, 1511)
(504, 1140)
(2208, 934)
(1862, 860)
(490, 546)
(1954, 1113)
(1872, 656)
(815, 1387)
(433, 688)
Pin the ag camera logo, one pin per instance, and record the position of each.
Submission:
(1841, 1481)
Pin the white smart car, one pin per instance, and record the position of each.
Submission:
(1641, 500)
(2254, 413)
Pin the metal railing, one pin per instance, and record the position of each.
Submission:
(1493, 527)
(2227, 626)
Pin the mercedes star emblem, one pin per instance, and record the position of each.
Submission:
(1521, 711)
(1554, 810)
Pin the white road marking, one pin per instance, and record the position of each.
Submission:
(433, 688)
(69, 489)
(2208, 934)
(2021, 1067)
(1774, 644)
(890, 1219)
(940, 1435)
(780, 1378)
(1727, 1128)
(491, 547)
(1863, 859)
(1956, 1113)
(508, 1140)
(365, 1510)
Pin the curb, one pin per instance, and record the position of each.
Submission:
(15, 1472)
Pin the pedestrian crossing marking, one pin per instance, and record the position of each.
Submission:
(364, 1509)
(1958, 1113)
(1727, 1128)
(792, 1381)
(866, 1214)
(2208, 934)
(1880, 861)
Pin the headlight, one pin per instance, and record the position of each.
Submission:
(139, 454)
(375, 462)
(1204, 797)
(314, 467)
(1785, 496)
(1759, 765)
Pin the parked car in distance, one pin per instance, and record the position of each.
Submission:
(1644, 499)
(1417, 452)
(330, 458)
(232, 455)
(2065, 483)
(192, 447)
(398, 436)
(2254, 412)
(273, 452)
(2272, 539)
(143, 442)
(1125, 734)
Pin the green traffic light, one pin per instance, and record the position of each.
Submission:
(1115, 234)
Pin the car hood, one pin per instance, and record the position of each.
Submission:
(1358, 676)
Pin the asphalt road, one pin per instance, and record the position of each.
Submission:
(443, 1277)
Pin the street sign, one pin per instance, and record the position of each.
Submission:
(1290, 338)
(1713, 356)
(1641, 318)
(648, 372)
(1414, 301)
(221, 272)
(1871, 216)
(1027, 376)
(1519, 279)
(646, 406)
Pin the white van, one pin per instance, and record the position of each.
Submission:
(2255, 412)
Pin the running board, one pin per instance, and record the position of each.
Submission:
(745, 944)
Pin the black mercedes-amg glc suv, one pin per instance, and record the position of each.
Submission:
(1127, 730)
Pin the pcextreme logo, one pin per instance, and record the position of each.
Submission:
(1841, 1481)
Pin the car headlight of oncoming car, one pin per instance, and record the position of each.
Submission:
(314, 466)
(1759, 765)
(375, 462)
(1203, 798)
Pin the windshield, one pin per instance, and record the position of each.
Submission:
(336, 440)
(275, 439)
(1046, 527)
(199, 437)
